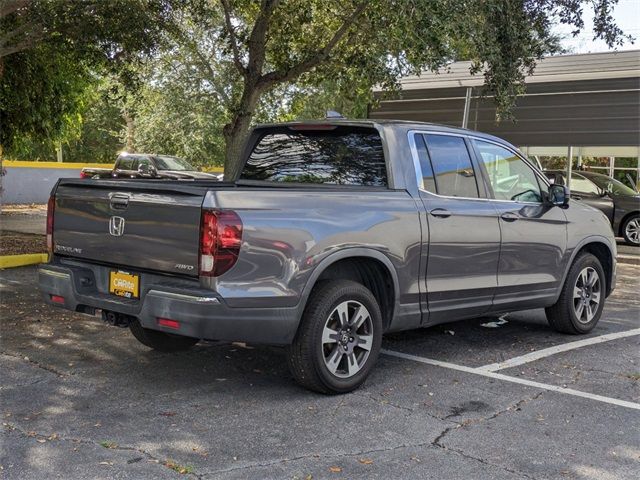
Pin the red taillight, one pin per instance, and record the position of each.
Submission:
(220, 240)
(83, 174)
(51, 205)
(167, 322)
(57, 299)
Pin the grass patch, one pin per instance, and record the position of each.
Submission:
(107, 444)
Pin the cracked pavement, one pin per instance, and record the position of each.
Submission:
(79, 399)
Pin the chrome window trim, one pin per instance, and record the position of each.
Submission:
(418, 169)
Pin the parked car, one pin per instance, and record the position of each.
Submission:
(335, 233)
(144, 165)
(618, 202)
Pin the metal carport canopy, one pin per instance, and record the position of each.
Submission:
(571, 100)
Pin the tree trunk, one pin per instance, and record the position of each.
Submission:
(237, 131)
(131, 132)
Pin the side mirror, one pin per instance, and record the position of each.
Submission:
(559, 195)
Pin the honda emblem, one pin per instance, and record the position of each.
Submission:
(116, 226)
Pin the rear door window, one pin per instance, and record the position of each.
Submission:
(428, 179)
(125, 163)
(454, 174)
(332, 155)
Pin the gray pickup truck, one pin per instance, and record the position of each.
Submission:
(334, 233)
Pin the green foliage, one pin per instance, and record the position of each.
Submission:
(42, 92)
(181, 122)
(52, 50)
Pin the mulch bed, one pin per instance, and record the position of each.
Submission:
(14, 243)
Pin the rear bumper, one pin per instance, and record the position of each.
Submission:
(200, 312)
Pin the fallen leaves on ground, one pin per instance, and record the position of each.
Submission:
(181, 469)
(365, 461)
(335, 469)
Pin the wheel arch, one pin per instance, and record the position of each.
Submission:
(599, 247)
(371, 268)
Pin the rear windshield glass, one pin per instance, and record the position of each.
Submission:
(342, 156)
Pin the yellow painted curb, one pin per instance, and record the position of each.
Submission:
(10, 261)
(71, 165)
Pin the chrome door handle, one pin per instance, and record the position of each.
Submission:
(509, 217)
(440, 213)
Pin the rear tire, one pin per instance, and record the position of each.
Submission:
(339, 338)
(161, 341)
(581, 301)
(631, 230)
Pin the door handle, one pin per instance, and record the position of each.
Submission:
(119, 201)
(440, 213)
(509, 217)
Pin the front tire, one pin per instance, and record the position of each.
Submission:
(581, 301)
(631, 230)
(339, 338)
(161, 341)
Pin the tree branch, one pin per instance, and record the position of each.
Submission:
(232, 38)
(316, 58)
(257, 39)
(31, 39)
(26, 27)
(7, 7)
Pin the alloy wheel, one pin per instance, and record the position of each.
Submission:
(587, 294)
(632, 230)
(347, 339)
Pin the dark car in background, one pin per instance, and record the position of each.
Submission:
(619, 203)
(144, 165)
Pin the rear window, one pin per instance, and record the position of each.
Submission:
(342, 156)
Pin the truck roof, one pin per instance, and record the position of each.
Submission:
(405, 125)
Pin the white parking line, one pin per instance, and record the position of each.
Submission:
(507, 378)
(545, 352)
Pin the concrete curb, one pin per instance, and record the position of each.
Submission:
(11, 261)
(629, 259)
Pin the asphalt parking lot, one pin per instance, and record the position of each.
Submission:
(489, 398)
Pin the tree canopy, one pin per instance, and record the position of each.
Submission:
(199, 73)
(52, 51)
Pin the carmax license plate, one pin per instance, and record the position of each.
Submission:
(124, 284)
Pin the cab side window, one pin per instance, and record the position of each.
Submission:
(454, 174)
(511, 178)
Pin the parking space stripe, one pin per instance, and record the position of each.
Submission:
(507, 378)
(545, 352)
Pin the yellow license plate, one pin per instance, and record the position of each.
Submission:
(124, 284)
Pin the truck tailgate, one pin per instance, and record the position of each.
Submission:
(144, 225)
